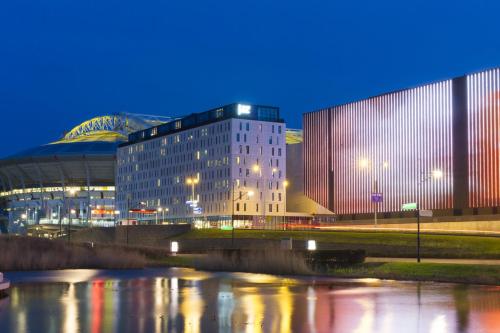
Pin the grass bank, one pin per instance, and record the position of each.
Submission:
(30, 253)
(455, 273)
(376, 244)
(458, 273)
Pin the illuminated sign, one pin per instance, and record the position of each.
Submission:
(409, 206)
(243, 109)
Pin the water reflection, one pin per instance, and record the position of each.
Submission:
(180, 300)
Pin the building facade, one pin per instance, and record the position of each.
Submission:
(206, 168)
(71, 180)
(379, 153)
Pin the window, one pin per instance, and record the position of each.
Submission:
(237, 137)
(219, 113)
(248, 149)
(270, 208)
(237, 206)
(270, 140)
(272, 129)
(279, 151)
(279, 129)
(241, 126)
(178, 124)
(248, 126)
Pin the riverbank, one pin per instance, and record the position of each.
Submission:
(18, 253)
(404, 271)
(376, 244)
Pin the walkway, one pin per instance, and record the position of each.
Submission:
(438, 260)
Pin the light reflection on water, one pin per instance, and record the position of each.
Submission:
(183, 300)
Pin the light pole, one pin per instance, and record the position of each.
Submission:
(193, 181)
(73, 193)
(435, 175)
(158, 210)
(117, 212)
(375, 197)
(240, 196)
(285, 185)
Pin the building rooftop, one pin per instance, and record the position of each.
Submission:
(235, 110)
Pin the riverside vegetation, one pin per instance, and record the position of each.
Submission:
(29, 253)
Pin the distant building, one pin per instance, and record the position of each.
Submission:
(206, 168)
(435, 144)
(72, 178)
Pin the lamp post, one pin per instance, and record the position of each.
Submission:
(435, 175)
(367, 164)
(158, 210)
(285, 185)
(117, 212)
(73, 192)
(192, 181)
(240, 196)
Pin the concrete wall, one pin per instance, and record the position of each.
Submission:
(141, 235)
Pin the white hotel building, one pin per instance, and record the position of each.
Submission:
(231, 160)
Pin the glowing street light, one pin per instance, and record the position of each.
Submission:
(285, 185)
(192, 181)
(375, 197)
(73, 192)
(435, 174)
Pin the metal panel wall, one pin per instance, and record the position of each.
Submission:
(483, 92)
(316, 155)
(395, 139)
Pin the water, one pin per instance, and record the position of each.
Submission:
(184, 300)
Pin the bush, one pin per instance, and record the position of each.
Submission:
(30, 253)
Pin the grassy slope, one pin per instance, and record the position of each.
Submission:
(388, 244)
(478, 274)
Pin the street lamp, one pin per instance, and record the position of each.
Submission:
(73, 193)
(375, 196)
(285, 185)
(435, 174)
(117, 212)
(240, 196)
(192, 182)
(158, 210)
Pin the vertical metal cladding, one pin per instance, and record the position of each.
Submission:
(483, 95)
(316, 154)
(401, 137)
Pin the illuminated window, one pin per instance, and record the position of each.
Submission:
(178, 124)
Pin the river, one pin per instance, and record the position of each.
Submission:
(185, 300)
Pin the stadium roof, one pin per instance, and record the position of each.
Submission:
(84, 156)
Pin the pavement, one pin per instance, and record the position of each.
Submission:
(410, 229)
(437, 260)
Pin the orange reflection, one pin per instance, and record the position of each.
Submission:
(191, 308)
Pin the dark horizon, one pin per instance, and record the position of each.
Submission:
(64, 63)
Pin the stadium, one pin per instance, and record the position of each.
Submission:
(69, 181)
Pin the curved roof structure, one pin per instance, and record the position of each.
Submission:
(84, 156)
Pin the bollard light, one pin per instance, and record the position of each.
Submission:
(174, 247)
(311, 245)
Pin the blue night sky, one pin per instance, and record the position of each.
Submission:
(62, 62)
